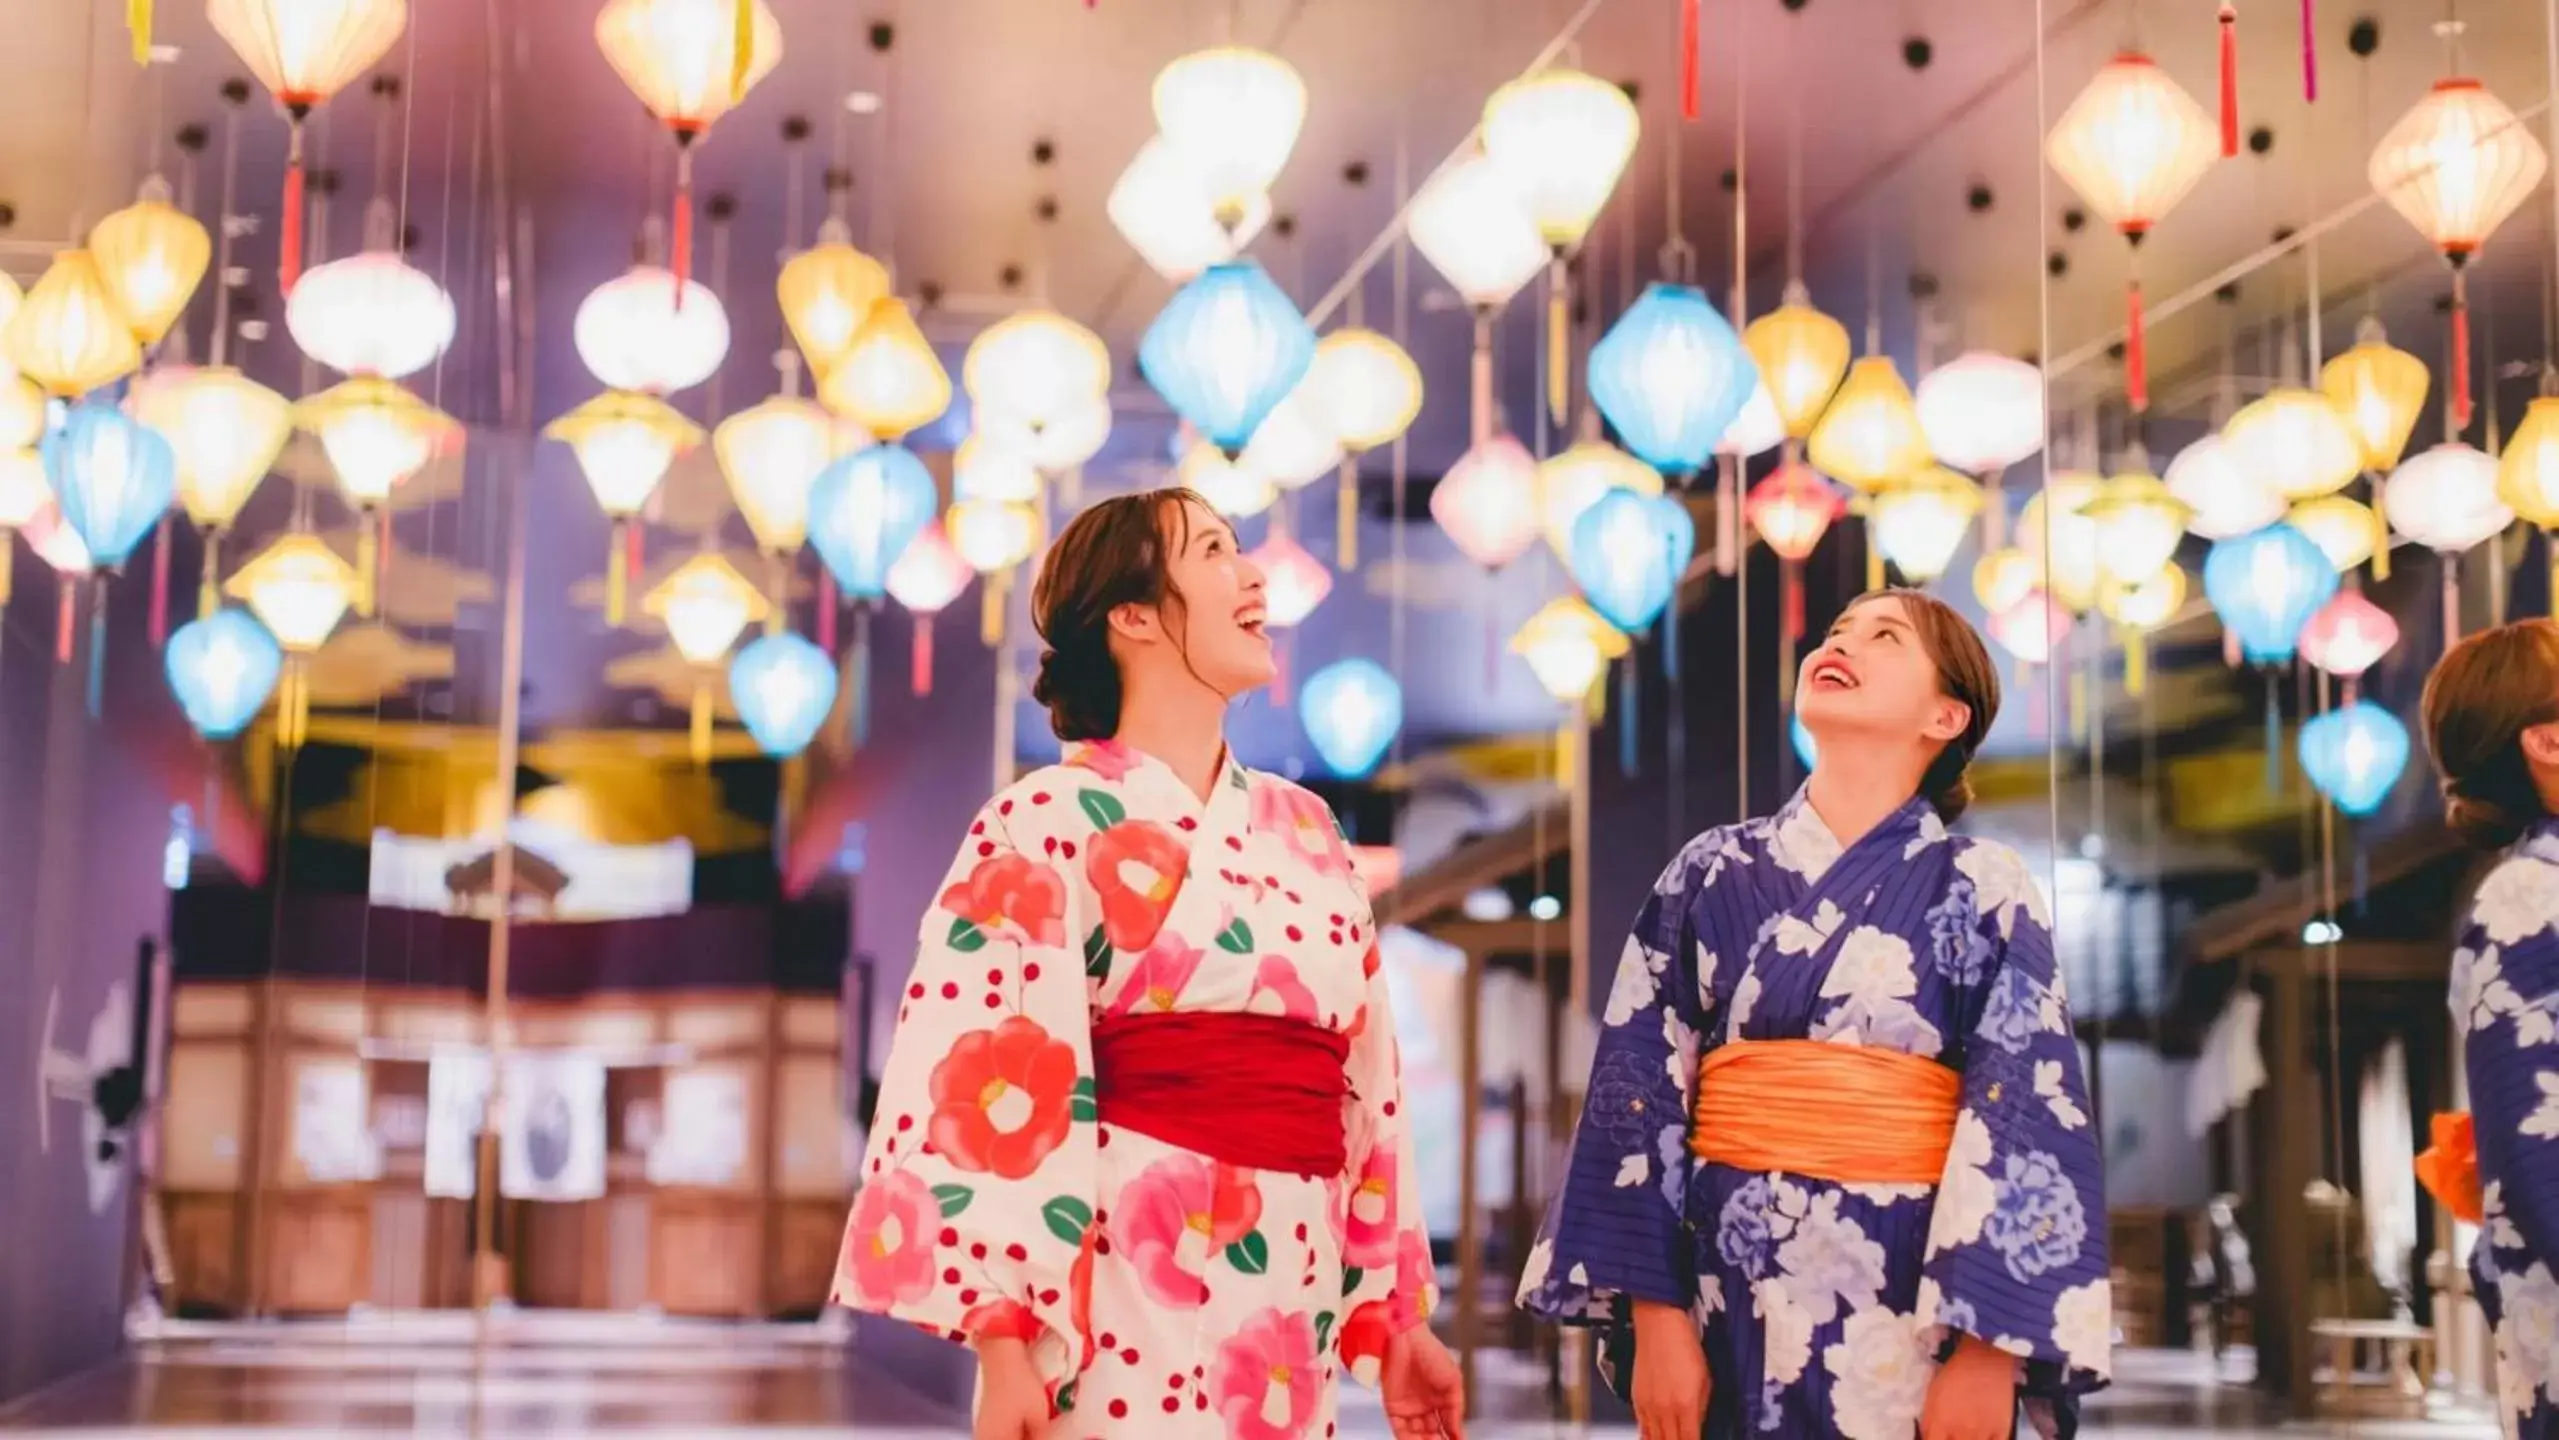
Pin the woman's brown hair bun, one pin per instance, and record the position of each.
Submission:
(1114, 553)
(2483, 695)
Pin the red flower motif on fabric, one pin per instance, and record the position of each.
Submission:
(1001, 1320)
(1003, 1099)
(1266, 1381)
(1013, 897)
(888, 1246)
(1363, 1342)
(1304, 824)
(1136, 868)
(1079, 1286)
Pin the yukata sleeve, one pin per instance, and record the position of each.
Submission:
(2511, 1058)
(1389, 1284)
(975, 1213)
(2016, 1249)
(1617, 1232)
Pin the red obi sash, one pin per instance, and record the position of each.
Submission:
(1254, 1091)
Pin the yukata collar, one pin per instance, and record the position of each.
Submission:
(1807, 846)
(2540, 840)
(1126, 765)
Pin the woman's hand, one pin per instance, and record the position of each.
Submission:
(1671, 1380)
(1424, 1391)
(1012, 1404)
(1974, 1396)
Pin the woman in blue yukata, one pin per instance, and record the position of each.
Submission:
(1835, 1174)
(2492, 722)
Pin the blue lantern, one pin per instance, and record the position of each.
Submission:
(114, 478)
(1804, 747)
(2354, 755)
(2266, 585)
(782, 686)
(223, 667)
(1227, 348)
(1671, 376)
(1629, 552)
(864, 510)
(1352, 709)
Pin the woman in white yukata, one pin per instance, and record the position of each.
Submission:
(2492, 723)
(1835, 1174)
(1141, 1139)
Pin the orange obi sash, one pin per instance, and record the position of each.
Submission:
(2450, 1167)
(1847, 1113)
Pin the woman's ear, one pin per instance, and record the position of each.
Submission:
(1948, 721)
(1135, 622)
(2541, 746)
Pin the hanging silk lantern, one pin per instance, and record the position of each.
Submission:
(2132, 145)
(1670, 375)
(1293, 445)
(2057, 534)
(2265, 587)
(1232, 487)
(690, 62)
(1792, 509)
(222, 667)
(2002, 578)
(1351, 710)
(1807, 752)
(2139, 521)
(25, 496)
(1630, 553)
(1801, 355)
(113, 477)
(1870, 435)
(1035, 368)
(68, 336)
(2031, 629)
(1293, 581)
(2136, 610)
(2354, 755)
(783, 686)
(771, 453)
(22, 410)
(376, 434)
(1165, 210)
(1919, 522)
(371, 313)
(1570, 483)
(1981, 411)
(624, 443)
(298, 588)
(11, 297)
(992, 535)
(1225, 350)
(989, 469)
(303, 52)
(1569, 647)
(2346, 531)
(2227, 499)
(1561, 138)
(1488, 502)
(2446, 499)
(2380, 389)
(2528, 471)
(864, 510)
(826, 291)
(890, 382)
(150, 255)
(638, 331)
(2348, 635)
(1057, 447)
(1232, 114)
(1364, 388)
(1471, 223)
(2455, 166)
(705, 605)
(224, 431)
(2297, 442)
(1757, 427)
(925, 580)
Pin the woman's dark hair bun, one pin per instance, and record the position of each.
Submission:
(1080, 686)
(2483, 824)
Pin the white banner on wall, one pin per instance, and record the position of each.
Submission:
(552, 1145)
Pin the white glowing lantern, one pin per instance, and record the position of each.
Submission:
(993, 535)
(371, 313)
(1364, 388)
(988, 467)
(1232, 488)
(2446, 499)
(2031, 629)
(1163, 209)
(1488, 502)
(634, 335)
(1232, 115)
(1293, 445)
(1035, 368)
(2227, 500)
(1759, 427)
(2062, 540)
(1562, 138)
(770, 454)
(2346, 531)
(1471, 224)
(1920, 522)
(1982, 412)
(1293, 581)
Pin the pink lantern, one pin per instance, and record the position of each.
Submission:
(2347, 635)
(928, 576)
(2033, 628)
(1488, 502)
(1293, 581)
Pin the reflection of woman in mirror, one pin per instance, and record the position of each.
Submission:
(2492, 723)
(1141, 1139)
(1835, 1173)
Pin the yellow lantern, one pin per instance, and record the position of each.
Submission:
(2137, 609)
(226, 430)
(2528, 471)
(68, 336)
(299, 589)
(2058, 536)
(705, 605)
(771, 454)
(2139, 521)
(1801, 354)
(24, 495)
(1562, 138)
(689, 61)
(1161, 206)
(1569, 646)
(1572, 482)
(889, 382)
(2344, 530)
(2002, 578)
(2380, 389)
(2298, 442)
(1365, 387)
(1919, 522)
(993, 535)
(624, 441)
(825, 292)
(151, 254)
(1232, 114)
(11, 297)
(1035, 368)
(1870, 435)
(303, 52)
(376, 433)
(22, 411)
(1232, 488)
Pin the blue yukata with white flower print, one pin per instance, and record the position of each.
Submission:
(1826, 1307)
(2505, 1002)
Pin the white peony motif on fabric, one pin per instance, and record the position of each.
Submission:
(1879, 1376)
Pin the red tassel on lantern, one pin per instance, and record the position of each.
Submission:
(680, 248)
(2460, 352)
(2229, 80)
(160, 586)
(2136, 351)
(2309, 53)
(65, 621)
(922, 682)
(635, 538)
(289, 235)
(826, 607)
(1793, 581)
(1688, 38)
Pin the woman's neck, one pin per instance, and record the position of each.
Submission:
(1855, 788)
(1183, 726)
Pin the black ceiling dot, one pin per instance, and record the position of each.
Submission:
(1047, 208)
(2261, 140)
(883, 35)
(1978, 198)
(2074, 219)
(2364, 36)
(2115, 351)
(1355, 173)
(1916, 52)
(1634, 89)
(795, 128)
(2029, 357)
(2056, 264)
(1730, 180)
(1010, 277)
(192, 138)
(1793, 5)
(1581, 309)
(8, 214)
(2227, 292)
(2443, 303)
(837, 180)
(245, 301)
(1923, 286)
(721, 206)
(2282, 234)
(930, 292)
(408, 238)
(1043, 151)
(325, 181)
(386, 87)
(235, 91)
(1284, 226)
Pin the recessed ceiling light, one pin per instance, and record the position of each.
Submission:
(864, 102)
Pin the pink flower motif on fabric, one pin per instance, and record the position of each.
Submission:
(1107, 758)
(888, 1248)
(1266, 1381)
(1277, 990)
(1174, 1216)
(1303, 823)
(1155, 983)
(1370, 1241)
(1416, 1281)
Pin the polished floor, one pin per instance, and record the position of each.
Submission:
(556, 1376)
